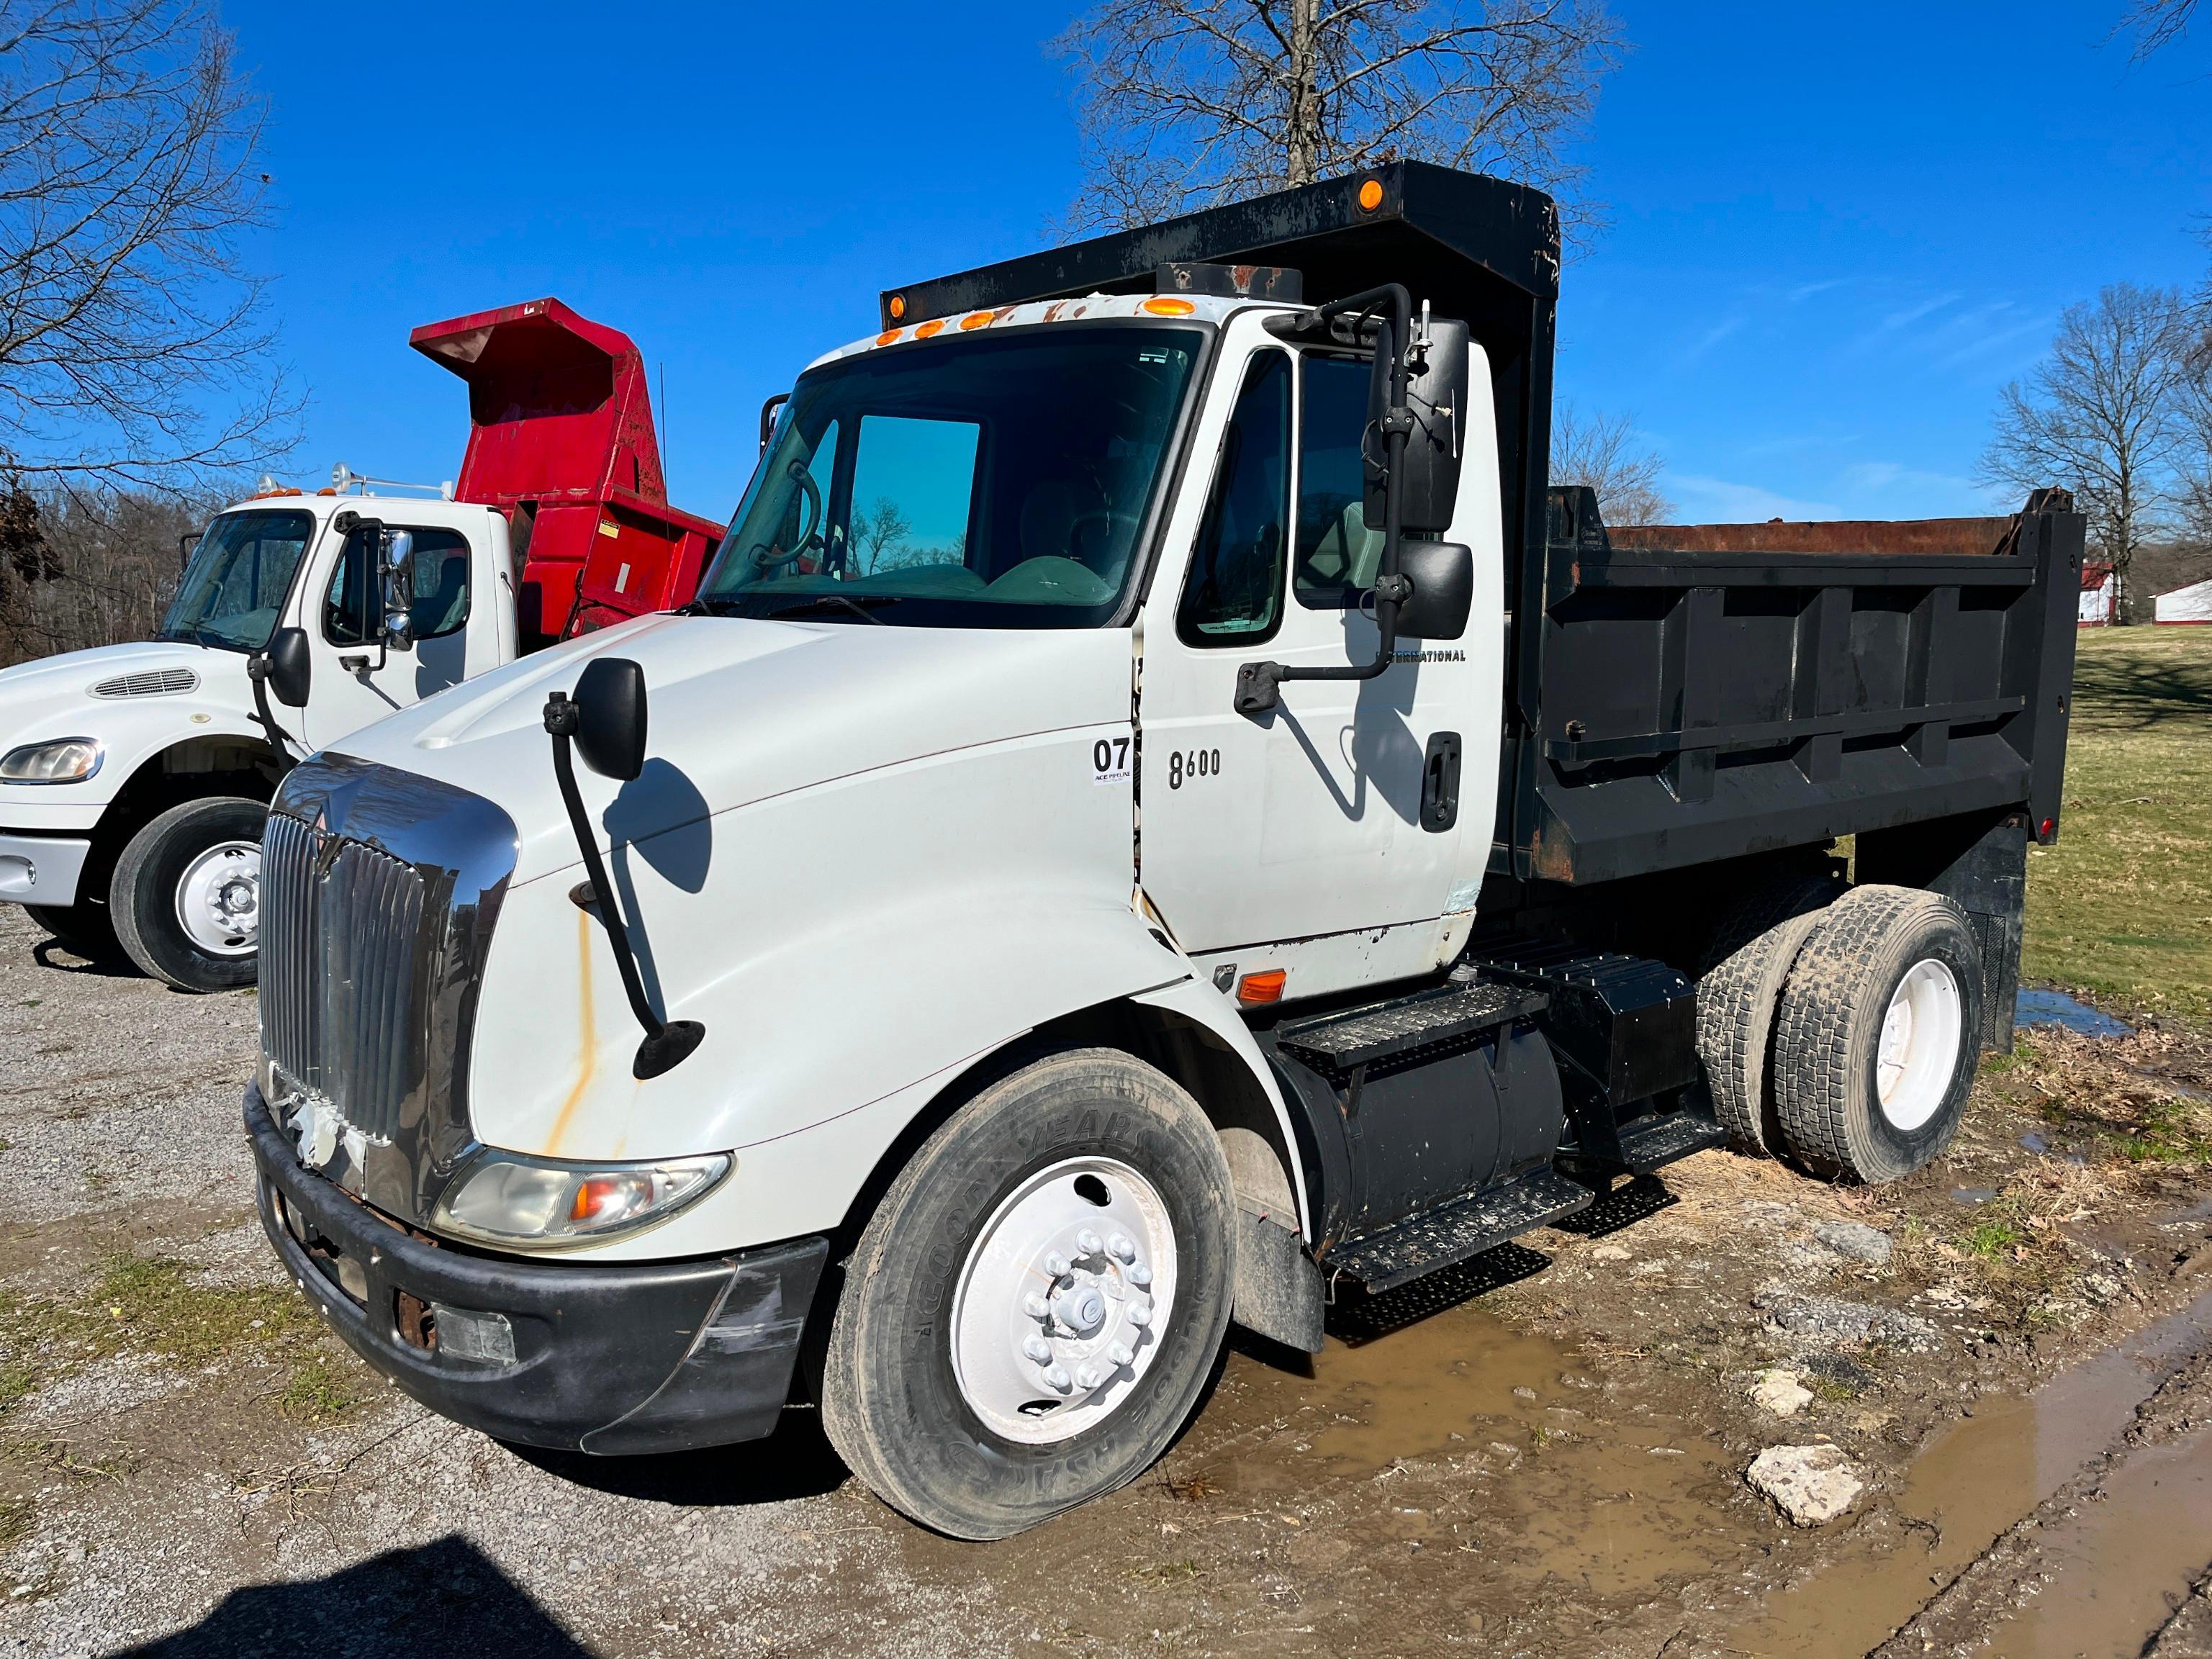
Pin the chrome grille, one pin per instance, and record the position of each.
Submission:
(164, 683)
(341, 927)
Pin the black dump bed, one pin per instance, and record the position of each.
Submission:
(1676, 695)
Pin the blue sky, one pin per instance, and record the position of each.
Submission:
(1835, 232)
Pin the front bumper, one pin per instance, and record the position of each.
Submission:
(611, 1359)
(41, 869)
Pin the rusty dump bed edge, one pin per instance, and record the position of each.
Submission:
(1914, 538)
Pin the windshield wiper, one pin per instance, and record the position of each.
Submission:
(819, 600)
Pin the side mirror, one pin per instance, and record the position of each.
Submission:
(289, 670)
(1435, 395)
(610, 724)
(1442, 576)
(398, 589)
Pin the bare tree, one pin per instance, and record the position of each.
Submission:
(883, 529)
(1189, 102)
(2156, 24)
(2102, 416)
(79, 569)
(131, 346)
(1603, 451)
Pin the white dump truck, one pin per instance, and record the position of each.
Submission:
(133, 778)
(1155, 816)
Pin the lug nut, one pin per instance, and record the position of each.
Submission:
(1120, 1248)
(1090, 1376)
(1034, 1305)
(1140, 1313)
(1119, 1353)
(1037, 1349)
(1055, 1264)
(1089, 1242)
(1139, 1275)
(1055, 1376)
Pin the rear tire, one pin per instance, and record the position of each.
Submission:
(84, 926)
(1737, 1004)
(1877, 1037)
(931, 1348)
(186, 894)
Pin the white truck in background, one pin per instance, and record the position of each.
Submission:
(1155, 810)
(134, 778)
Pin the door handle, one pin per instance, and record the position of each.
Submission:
(1440, 783)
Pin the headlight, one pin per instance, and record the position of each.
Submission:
(532, 1204)
(64, 760)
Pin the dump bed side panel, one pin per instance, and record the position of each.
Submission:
(1693, 699)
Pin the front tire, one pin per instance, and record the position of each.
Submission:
(186, 894)
(1035, 1308)
(1877, 1038)
(83, 927)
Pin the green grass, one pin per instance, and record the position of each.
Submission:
(319, 1393)
(1991, 1239)
(2121, 907)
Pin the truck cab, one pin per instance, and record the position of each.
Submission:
(1156, 815)
(133, 777)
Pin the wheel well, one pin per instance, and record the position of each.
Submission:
(195, 768)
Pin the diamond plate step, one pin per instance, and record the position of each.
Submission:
(1376, 1032)
(1456, 1231)
(1652, 1142)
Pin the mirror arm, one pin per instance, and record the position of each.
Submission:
(666, 1043)
(256, 670)
(1258, 683)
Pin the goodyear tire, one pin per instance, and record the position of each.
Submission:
(1036, 1303)
(185, 895)
(1876, 1040)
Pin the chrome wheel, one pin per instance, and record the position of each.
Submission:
(1064, 1299)
(1919, 1048)
(219, 899)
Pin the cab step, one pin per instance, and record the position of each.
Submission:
(1340, 1041)
(1455, 1229)
(1652, 1143)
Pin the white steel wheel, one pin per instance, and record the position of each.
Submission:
(1064, 1300)
(219, 899)
(1919, 1048)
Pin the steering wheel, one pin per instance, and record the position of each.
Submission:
(1109, 523)
(768, 558)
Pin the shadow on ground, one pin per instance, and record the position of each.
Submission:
(445, 1597)
(796, 1461)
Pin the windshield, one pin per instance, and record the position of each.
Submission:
(233, 590)
(983, 483)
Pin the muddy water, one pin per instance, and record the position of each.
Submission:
(1987, 1471)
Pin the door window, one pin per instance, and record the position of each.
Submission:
(1338, 554)
(1234, 594)
(442, 586)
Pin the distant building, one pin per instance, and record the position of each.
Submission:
(2099, 592)
(2192, 604)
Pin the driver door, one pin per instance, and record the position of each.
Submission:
(357, 681)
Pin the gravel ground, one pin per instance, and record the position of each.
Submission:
(1545, 1452)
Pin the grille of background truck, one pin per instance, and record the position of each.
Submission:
(341, 924)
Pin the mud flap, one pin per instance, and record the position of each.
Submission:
(1279, 1288)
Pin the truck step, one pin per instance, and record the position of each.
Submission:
(1455, 1229)
(1358, 1036)
(1652, 1142)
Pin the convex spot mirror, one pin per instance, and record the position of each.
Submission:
(398, 570)
(1442, 576)
(1435, 393)
(289, 668)
(611, 726)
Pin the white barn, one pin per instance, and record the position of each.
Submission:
(2098, 591)
(2192, 604)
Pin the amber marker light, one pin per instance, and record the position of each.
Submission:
(979, 319)
(1254, 989)
(898, 307)
(1370, 195)
(935, 326)
(1168, 305)
(889, 335)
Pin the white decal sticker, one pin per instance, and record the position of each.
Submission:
(1110, 759)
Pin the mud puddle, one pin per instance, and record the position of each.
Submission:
(2127, 1559)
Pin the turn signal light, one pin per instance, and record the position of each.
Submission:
(897, 306)
(1256, 988)
(1168, 305)
(1370, 195)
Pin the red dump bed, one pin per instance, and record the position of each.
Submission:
(561, 439)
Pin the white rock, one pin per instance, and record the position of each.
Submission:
(1855, 1239)
(1608, 1253)
(1781, 1392)
(1809, 1484)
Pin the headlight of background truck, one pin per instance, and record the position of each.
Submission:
(530, 1204)
(61, 759)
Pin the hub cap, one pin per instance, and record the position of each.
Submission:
(1063, 1300)
(219, 899)
(1920, 1038)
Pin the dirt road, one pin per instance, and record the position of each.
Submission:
(1546, 1454)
